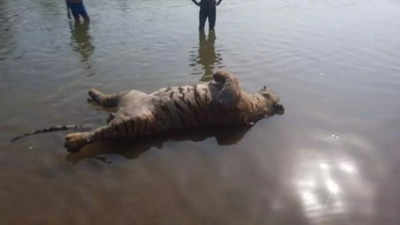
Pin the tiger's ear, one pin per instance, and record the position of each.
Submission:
(229, 92)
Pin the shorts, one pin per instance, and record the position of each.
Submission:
(78, 9)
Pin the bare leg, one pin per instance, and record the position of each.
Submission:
(104, 99)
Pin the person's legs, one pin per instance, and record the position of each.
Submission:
(202, 18)
(84, 13)
(75, 11)
(212, 16)
(78, 9)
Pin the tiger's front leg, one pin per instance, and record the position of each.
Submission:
(105, 100)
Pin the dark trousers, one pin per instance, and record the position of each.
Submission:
(78, 9)
(211, 14)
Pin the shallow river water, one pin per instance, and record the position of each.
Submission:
(332, 158)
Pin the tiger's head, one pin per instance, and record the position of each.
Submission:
(272, 101)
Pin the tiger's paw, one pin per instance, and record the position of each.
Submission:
(75, 141)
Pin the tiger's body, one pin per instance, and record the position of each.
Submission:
(220, 102)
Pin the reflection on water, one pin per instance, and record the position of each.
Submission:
(320, 193)
(330, 184)
(81, 41)
(132, 149)
(207, 56)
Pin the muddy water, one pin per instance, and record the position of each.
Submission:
(333, 158)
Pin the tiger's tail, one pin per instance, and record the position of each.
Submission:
(51, 129)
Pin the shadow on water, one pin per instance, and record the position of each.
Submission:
(207, 56)
(132, 149)
(81, 41)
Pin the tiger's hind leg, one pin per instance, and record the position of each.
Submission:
(75, 141)
(105, 100)
(229, 89)
(116, 129)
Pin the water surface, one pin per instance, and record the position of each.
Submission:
(331, 159)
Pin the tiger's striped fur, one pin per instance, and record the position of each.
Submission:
(220, 102)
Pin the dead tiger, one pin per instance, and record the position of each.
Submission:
(218, 103)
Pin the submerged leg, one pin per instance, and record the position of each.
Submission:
(116, 129)
(104, 99)
(75, 141)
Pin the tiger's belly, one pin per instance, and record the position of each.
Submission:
(188, 106)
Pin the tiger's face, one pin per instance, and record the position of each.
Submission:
(272, 101)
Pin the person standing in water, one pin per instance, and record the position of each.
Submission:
(78, 9)
(208, 9)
